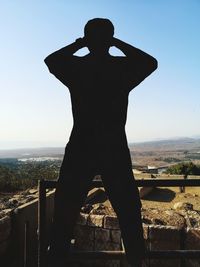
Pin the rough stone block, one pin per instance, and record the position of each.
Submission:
(102, 235)
(111, 222)
(95, 220)
(82, 219)
(84, 244)
(106, 245)
(83, 232)
(192, 241)
(84, 237)
(164, 238)
(115, 236)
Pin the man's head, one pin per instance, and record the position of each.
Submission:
(98, 34)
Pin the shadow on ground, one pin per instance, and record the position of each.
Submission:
(161, 195)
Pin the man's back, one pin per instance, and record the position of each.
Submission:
(98, 88)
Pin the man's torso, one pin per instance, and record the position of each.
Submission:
(99, 97)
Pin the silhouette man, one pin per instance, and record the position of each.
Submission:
(99, 85)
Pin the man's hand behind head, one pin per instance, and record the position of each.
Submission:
(81, 42)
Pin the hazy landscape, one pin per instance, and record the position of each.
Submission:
(20, 169)
(154, 153)
(166, 152)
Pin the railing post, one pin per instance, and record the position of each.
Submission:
(42, 224)
(182, 188)
(26, 243)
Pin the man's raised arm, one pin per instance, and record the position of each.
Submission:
(63, 54)
(144, 63)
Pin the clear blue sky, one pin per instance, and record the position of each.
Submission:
(35, 106)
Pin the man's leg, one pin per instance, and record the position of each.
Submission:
(124, 196)
(71, 191)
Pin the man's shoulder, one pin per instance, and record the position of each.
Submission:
(87, 60)
(87, 56)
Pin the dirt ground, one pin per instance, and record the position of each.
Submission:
(157, 206)
(160, 197)
(165, 197)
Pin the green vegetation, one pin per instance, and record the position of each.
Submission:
(16, 175)
(193, 156)
(185, 168)
(168, 160)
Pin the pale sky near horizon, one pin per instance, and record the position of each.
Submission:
(35, 106)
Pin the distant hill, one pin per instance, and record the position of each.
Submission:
(32, 152)
(161, 145)
(168, 145)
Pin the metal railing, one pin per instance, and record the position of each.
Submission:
(114, 255)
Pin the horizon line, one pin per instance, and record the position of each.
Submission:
(129, 143)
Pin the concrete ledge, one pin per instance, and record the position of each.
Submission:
(12, 230)
(5, 234)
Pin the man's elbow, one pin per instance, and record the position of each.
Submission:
(151, 66)
(154, 64)
(49, 62)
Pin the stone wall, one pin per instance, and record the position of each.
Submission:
(192, 242)
(101, 232)
(96, 232)
(5, 234)
(12, 231)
